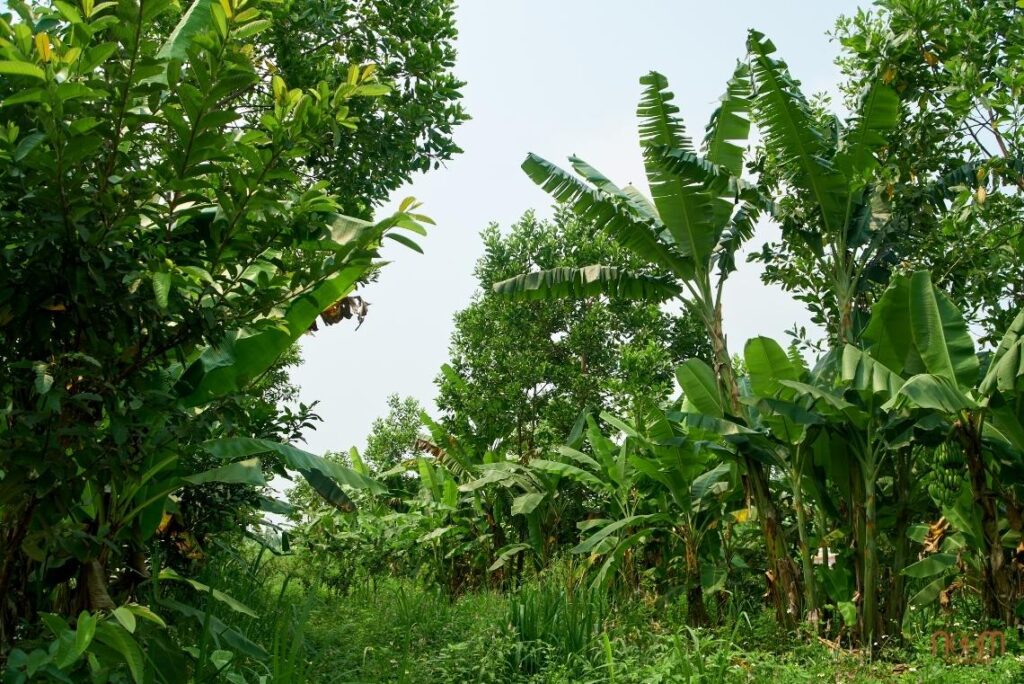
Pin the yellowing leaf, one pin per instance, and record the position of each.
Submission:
(43, 47)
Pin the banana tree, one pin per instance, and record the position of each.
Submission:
(700, 212)
(835, 226)
(916, 329)
(608, 475)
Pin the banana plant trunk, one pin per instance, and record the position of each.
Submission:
(784, 580)
(896, 599)
(997, 591)
(696, 612)
(869, 626)
(810, 588)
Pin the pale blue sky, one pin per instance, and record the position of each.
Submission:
(555, 77)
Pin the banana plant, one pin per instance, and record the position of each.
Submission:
(699, 214)
(832, 211)
(652, 482)
(918, 334)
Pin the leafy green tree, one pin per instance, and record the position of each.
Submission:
(162, 254)
(522, 372)
(952, 171)
(411, 44)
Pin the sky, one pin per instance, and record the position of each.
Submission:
(554, 77)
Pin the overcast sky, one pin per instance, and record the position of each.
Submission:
(555, 77)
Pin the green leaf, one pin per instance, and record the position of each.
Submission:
(785, 120)
(126, 618)
(1006, 367)
(85, 630)
(506, 554)
(587, 545)
(525, 504)
(730, 123)
(27, 144)
(684, 207)
(929, 594)
(767, 365)
(712, 483)
(940, 333)
(113, 635)
(240, 472)
(233, 604)
(44, 380)
(436, 533)
(848, 611)
(866, 374)
(321, 473)
(700, 387)
(567, 470)
(145, 613)
(876, 116)
(888, 334)
(934, 392)
(631, 227)
(589, 281)
(196, 19)
(930, 565)
(13, 68)
(161, 288)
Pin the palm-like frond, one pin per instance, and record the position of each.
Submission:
(620, 218)
(589, 281)
(876, 116)
(739, 230)
(730, 123)
(605, 185)
(682, 204)
(790, 131)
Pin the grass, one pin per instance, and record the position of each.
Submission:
(394, 630)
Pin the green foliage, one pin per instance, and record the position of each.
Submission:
(411, 45)
(953, 171)
(165, 252)
(523, 371)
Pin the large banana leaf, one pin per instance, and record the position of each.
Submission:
(700, 386)
(247, 471)
(914, 328)
(934, 392)
(868, 375)
(636, 200)
(683, 205)
(888, 331)
(767, 364)
(730, 124)
(323, 475)
(940, 333)
(1006, 367)
(627, 225)
(789, 129)
(589, 281)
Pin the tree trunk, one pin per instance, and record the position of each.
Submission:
(784, 582)
(696, 612)
(13, 529)
(997, 594)
(896, 599)
(869, 626)
(810, 586)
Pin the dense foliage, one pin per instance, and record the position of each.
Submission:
(603, 489)
(163, 249)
